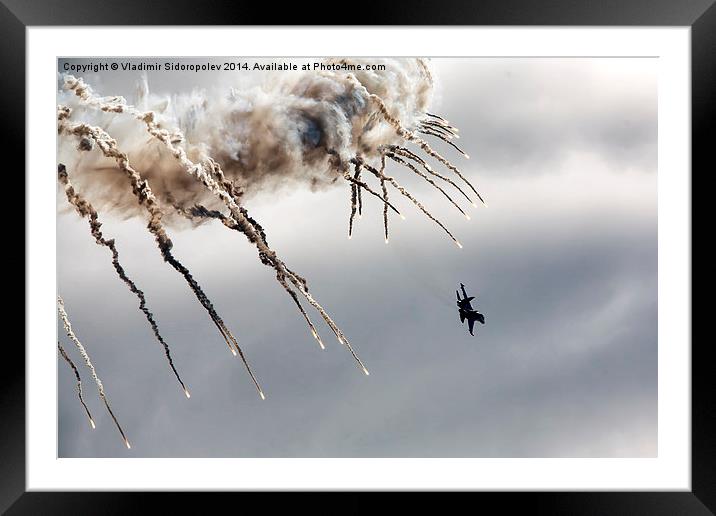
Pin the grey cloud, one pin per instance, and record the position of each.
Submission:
(525, 115)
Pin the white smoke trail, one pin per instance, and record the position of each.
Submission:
(72, 366)
(382, 177)
(444, 138)
(433, 183)
(410, 136)
(402, 151)
(100, 388)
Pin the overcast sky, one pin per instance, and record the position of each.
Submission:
(563, 264)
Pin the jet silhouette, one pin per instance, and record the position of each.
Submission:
(467, 311)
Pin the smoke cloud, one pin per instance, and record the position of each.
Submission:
(280, 132)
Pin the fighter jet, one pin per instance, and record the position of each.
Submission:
(467, 311)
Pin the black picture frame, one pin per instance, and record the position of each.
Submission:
(700, 15)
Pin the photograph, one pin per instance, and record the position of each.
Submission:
(357, 257)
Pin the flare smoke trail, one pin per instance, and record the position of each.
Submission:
(146, 197)
(443, 137)
(79, 382)
(235, 193)
(85, 209)
(358, 192)
(199, 212)
(441, 128)
(402, 151)
(433, 183)
(410, 136)
(100, 388)
(354, 199)
(368, 189)
(383, 178)
(385, 194)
